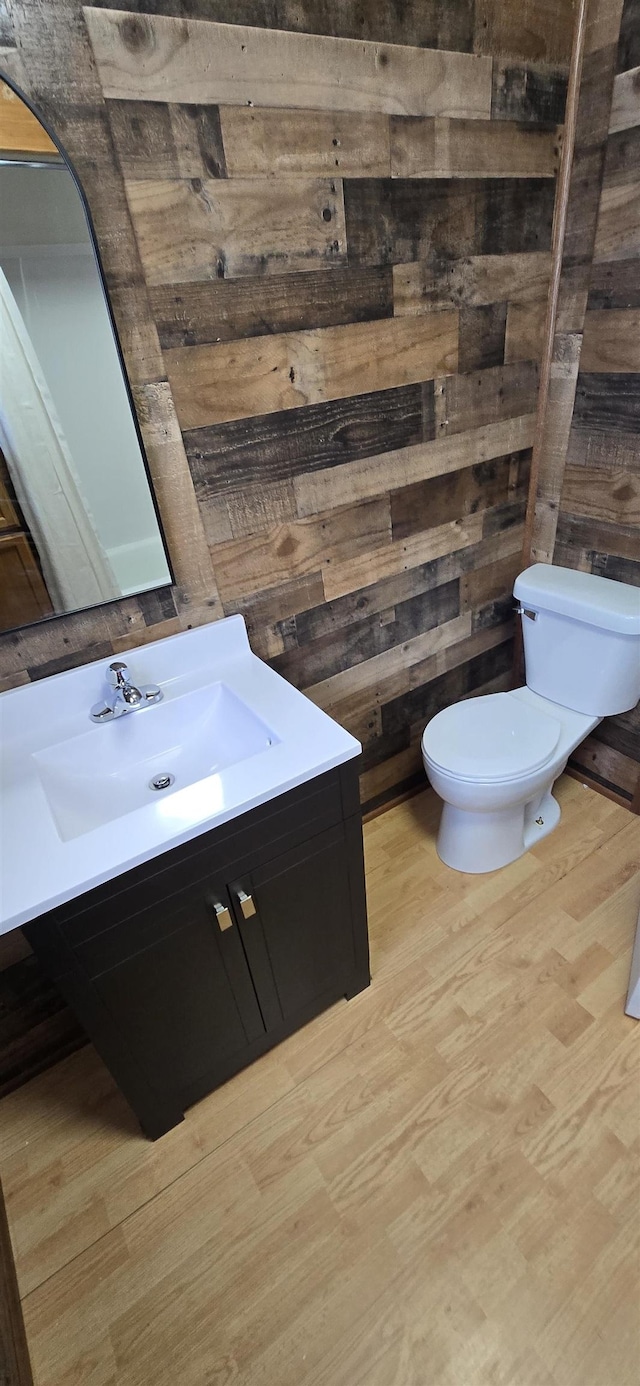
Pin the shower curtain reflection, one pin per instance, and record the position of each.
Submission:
(75, 566)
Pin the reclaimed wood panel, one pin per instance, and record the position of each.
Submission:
(305, 546)
(284, 444)
(464, 402)
(482, 337)
(363, 569)
(618, 230)
(441, 148)
(628, 53)
(275, 143)
(608, 404)
(421, 23)
(222, 229)
(611, 340)
(155, 140)
(234, 380)
(528, 93)
(330, 654)
(541, 30)
(524, 332)
(625, 106)
(222, 310)
(321, 490)
(469, 491)
(474, 281)
(604, 492)
(605, 768)
(593, 537)
(156, 58)
(328, 617)
(405, 219)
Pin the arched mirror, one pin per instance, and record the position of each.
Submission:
(78, 520)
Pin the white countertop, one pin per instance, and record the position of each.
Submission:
(38, 870)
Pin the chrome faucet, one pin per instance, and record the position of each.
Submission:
(125, 697)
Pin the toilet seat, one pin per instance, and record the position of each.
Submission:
(494, 738)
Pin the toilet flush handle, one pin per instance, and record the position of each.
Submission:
(524, 611)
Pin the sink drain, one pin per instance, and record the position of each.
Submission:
(162, 781)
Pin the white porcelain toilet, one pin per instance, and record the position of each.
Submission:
(494, 759)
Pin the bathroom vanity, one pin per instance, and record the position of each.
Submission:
(190, 929)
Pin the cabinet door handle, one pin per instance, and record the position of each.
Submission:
(246, 904)
(223, 915)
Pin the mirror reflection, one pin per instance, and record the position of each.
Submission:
(78, 525)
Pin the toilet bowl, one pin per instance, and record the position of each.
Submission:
(493, 759)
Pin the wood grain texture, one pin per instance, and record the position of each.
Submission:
(465, 402)
(540, 32)
(155, 140)
(482, 337)
(441, 498)
(628, 53)
(359, 480)
(611, 340)
(275, 447)
(14, 1353)
(625, 106)
(617, 234)
(156, 58)
(305, 546)
(478, 1099)
(441, 148)
(238, 379)
(607, 404)
(529, 93)
(222, 229)
(327, 618)
(474, 281)
(223, 310)
(413, 219)
(273, 143)
(602, 492)
(421, 23)
(524, 329)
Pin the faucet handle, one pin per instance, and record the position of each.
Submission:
(117, 674)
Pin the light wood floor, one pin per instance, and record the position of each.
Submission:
(434, 1185)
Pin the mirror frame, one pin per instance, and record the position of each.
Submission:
(96, 606)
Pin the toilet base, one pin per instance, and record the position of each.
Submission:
(485, 841)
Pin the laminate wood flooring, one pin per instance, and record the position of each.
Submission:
(435, 1184)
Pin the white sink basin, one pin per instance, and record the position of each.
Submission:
(94, 778)
(75, 804)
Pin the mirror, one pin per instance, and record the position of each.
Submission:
(78, 520)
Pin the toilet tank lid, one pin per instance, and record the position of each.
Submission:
(585, 597)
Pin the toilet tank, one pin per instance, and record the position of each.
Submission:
(581, 638)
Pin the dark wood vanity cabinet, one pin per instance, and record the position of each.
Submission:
(188, 967)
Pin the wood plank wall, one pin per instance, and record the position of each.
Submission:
(588, 504)
(330, 303)
(327, 232)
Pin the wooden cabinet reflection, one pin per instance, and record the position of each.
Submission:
(23, 595)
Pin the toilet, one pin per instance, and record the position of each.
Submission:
(494, 759)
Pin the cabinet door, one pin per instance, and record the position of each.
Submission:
(185, 1003)
(299, 941)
